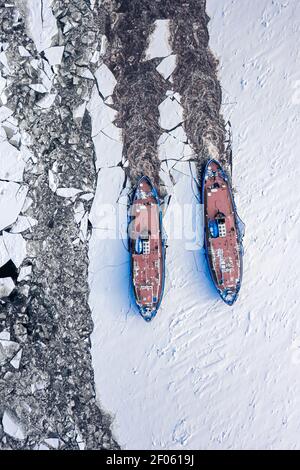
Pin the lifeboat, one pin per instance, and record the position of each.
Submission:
(223, 232)
(147, 248)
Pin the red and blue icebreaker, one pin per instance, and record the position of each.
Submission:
(223, 232)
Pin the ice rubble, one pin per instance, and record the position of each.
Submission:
(13, 201)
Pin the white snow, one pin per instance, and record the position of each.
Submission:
(96, 57)
(202, 375)
(2, 87)
(12, 427)
(173, 146)
(4, 61)
(159, 45)
(85, 73)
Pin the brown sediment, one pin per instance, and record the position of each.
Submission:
(141, 89)
(195, 78)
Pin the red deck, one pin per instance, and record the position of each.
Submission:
(146, 248)
(223, 249)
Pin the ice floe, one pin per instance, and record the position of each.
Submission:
(16, 247)
(68, 192)
(54, 54)
(12, 164)
(8, 350)
(52, 442)
(5, 113)
(12, 197)
(171, 112)
(4, 255)
(12, 426)
(79, 211)
(107, 137)
(78, 112)
(159, 45)
(39, 87)
(53, 180)
(23, 51)
(15, 362)
(5, 335)
(167, 66)
(47, 101)
(25, 273)
(23, 223)
(105, 80)
(41, 23)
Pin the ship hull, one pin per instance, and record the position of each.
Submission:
(146, 248)
(223, 233)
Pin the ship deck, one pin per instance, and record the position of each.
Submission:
(147, 264)
(223, 251)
